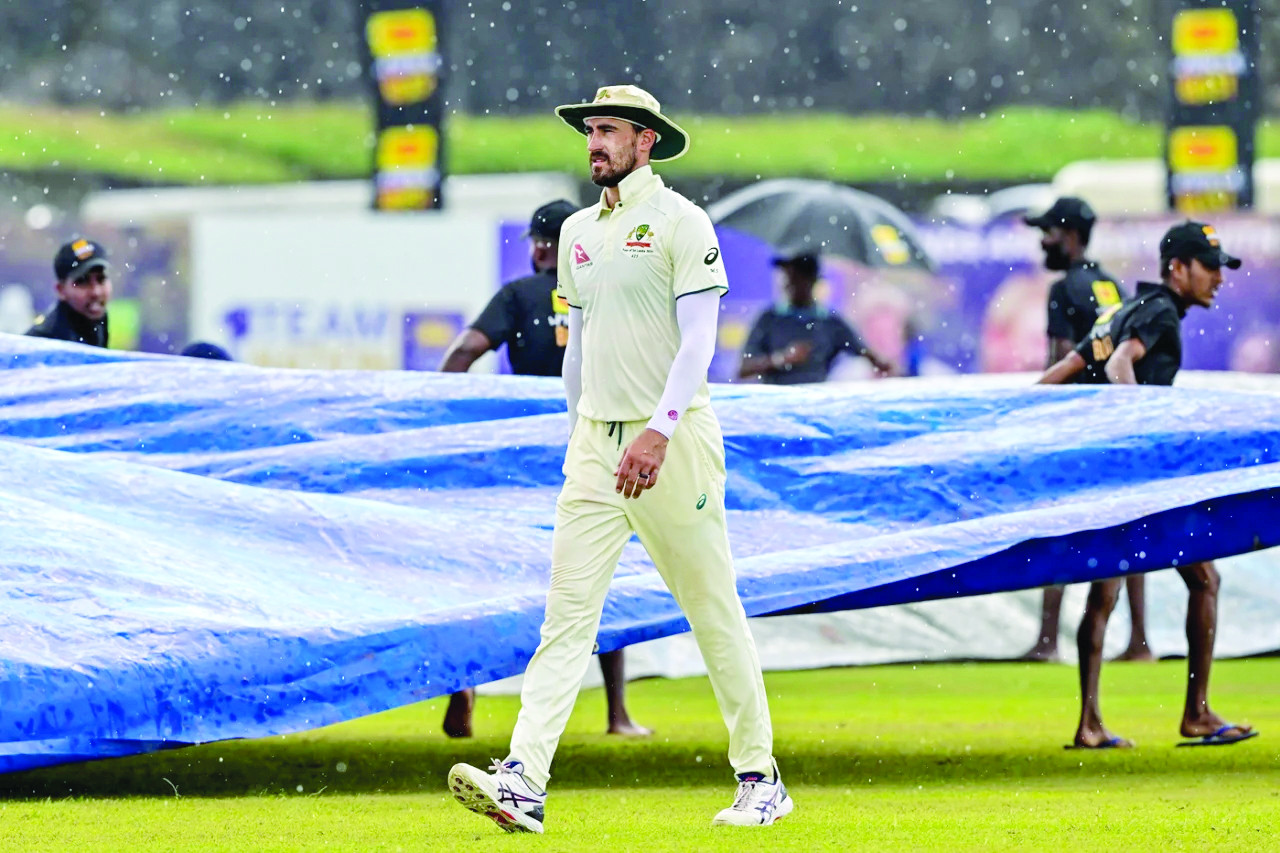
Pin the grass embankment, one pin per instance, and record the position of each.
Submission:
(255, 143)
(949, 757)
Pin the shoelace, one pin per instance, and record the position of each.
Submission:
(498, 767)
(746, 788)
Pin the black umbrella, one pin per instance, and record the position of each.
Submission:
(834, 219)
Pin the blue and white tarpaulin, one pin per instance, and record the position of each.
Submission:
(197, 550)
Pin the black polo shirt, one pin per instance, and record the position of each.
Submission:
(532, 321)
(1077, 299)
(825, 331)
(1154, 317)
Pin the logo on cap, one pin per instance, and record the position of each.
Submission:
(83, 249)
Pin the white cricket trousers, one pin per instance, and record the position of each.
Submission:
(681, 524)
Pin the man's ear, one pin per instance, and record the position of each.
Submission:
(648, 139)
(60, 287)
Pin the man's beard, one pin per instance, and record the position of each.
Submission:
(611, 178)
(1056, 259)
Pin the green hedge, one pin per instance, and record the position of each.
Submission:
(254, 143)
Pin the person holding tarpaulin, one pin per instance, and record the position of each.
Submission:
(1076, 301)
(1140, 343)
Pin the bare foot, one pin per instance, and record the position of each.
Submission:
(1100, 738)
(1208, 723)
(1137, 653)
(626, 728)
(457, 719)
(1042, 653)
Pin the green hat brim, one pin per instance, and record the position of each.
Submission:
(672, 141)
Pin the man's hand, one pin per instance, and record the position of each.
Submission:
(638, 469)
(794, 354)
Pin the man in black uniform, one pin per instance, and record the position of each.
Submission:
(83, 284)
(1140, 343)
(797, 342)
(528, 316)
(1076, 301)
(525, 314)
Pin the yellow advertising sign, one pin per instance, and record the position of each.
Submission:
(407, 167)
(1205, 31)
(1207, 63)
(403, 45)
(1202, 149)
(1204, 167)
(408, 147)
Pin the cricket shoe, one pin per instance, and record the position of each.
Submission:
(504, 796)
(759, 802)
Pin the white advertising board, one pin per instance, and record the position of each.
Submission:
(356, 290)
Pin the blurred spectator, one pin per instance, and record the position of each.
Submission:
(797, 342)
(83, 285)
(203, 349)
(532, 320)
(1076, 301)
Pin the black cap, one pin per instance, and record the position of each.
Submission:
(547, 220)
(1196, 240)
(1066, 212)
(804, 261)
(77, 258)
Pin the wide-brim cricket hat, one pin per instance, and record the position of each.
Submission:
(635, 105)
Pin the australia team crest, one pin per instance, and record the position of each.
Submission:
(639, 241)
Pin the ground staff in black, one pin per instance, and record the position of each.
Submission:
(1076, 300)
(83, 285)
(528, 316)
(1140, 343)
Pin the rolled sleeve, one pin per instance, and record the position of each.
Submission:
(1149, 326)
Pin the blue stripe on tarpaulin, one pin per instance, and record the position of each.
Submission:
(399, 549)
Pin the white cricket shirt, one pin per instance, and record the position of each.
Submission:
(625, 267)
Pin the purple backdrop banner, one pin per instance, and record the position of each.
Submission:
(984, 308)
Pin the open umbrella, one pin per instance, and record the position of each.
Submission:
(834, 219)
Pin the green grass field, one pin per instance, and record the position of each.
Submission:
(946, 757)
(257, 143)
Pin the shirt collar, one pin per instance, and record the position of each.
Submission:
(1146, 288)
(633, 189)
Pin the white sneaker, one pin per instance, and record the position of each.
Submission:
(760, 802)
(504, 796)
